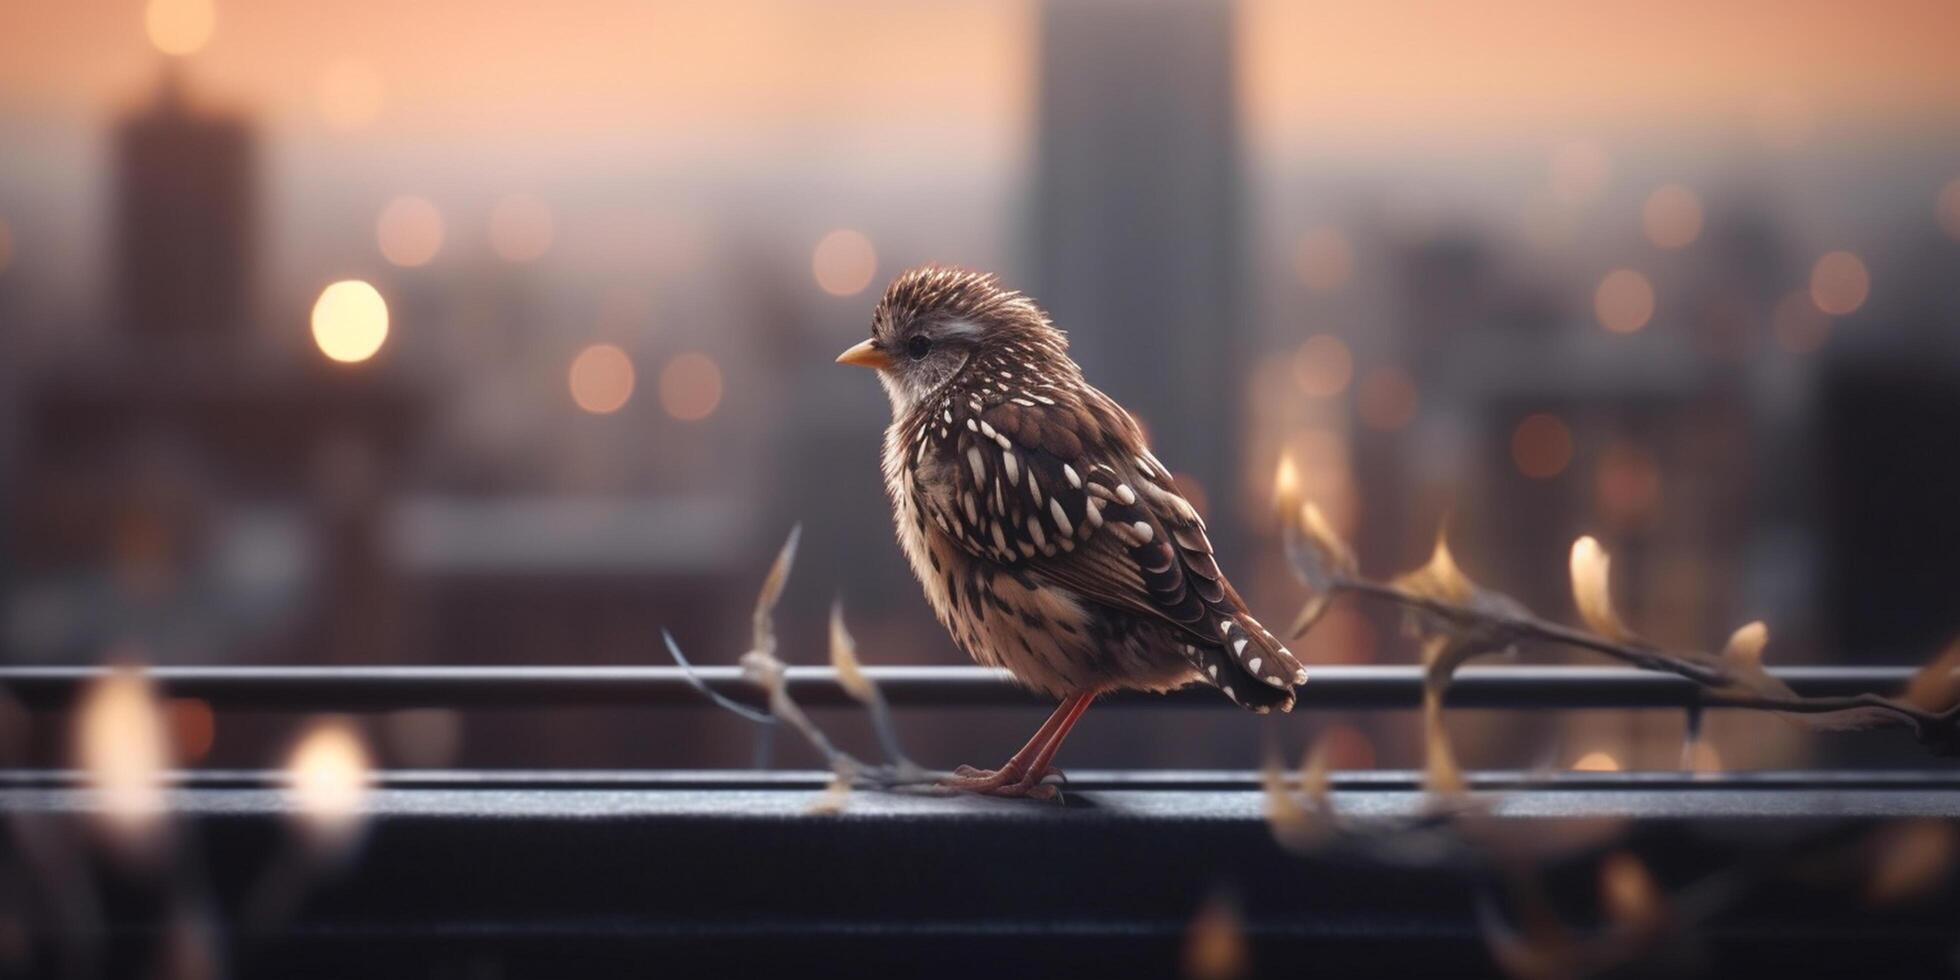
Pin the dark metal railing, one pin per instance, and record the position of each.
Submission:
(1361, 688)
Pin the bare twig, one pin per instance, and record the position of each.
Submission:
(762, 667)
(687, 670)
(843, 657)
(1465, 621)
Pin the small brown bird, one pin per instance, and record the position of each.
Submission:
(1049, 540)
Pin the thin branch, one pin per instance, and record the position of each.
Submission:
(762, 667)
(687, 670)
(1504, 623)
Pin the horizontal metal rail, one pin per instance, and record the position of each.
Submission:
(1356, 688)
(1163, 780)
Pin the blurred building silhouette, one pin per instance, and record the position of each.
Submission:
(1137, 233)
(1651, 443)
(179, 499)
(186, 223)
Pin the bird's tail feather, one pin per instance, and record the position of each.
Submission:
(1261, 654)
(1224, 672)
(1251, 665)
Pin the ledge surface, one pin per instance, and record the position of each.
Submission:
(729, 873)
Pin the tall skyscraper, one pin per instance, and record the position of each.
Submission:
(1137, 226)
(185, 221)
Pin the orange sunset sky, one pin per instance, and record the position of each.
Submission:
(507, 69)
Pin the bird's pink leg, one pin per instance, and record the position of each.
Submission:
(1019, 763)
(1022, 774)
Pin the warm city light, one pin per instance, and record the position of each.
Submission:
(180, 27)
(122, 745)
(1671, 217)
(602, 379)
(844, 262)
(1628, 484)
(521, 228)
(351, 95)
(690, 387)
(1541, 446)
(1325, 260)
(1346, 748)
(1323, 366)
(1839, 283)
(328, 774)
(1800, 327)
(1948, 208)
(1624, 301)
(193, 728)
(1386, 399)
(1597, 762)
(350, 321)
(1579, 171)
(409, 231)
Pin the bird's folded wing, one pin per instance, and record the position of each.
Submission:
(1069, 493)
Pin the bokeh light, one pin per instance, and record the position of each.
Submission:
(1580, 170)
(601, 379)
(350, 321)
(351, 95)
(1541, 446)
(1839, 283)
(1628, 484)
(180, 27)
(1345, 747)
(690, 387)
(409, 231)
(1344, 635)
(1323, 473)
(1325, 259)
(1215, 942)
(1671, 217)
(1323, 366)
(328, 779)
(1800, 327)
(1386, 399)
(521, 228)
(193, 728)
(1597, 761)
(1947, 208)
(844, 262)
(1624, 301)
(122, 746)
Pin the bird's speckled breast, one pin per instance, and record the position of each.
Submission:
(1044, 634)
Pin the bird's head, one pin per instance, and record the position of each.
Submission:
(933, 320)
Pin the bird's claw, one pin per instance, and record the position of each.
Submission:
(1006, 782)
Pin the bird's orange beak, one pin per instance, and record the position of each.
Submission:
(866, 354)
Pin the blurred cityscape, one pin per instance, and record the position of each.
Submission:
(357, 375)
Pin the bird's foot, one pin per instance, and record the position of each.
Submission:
(1008, 781)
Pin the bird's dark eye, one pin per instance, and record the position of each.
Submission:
(918, 348)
